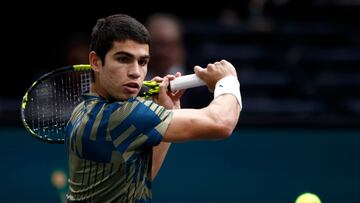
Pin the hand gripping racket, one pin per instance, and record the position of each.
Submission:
(48, 103)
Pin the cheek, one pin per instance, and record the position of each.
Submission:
(112, 74)
(144, 71)
(108, 79)
(117, 75)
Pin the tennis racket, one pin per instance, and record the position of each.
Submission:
(48, 104)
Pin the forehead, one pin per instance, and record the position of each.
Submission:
(164, 29)
(132, 47)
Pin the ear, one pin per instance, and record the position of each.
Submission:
(95, 61)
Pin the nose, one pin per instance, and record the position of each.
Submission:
(134, 71)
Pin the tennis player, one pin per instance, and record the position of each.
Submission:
(116, 141)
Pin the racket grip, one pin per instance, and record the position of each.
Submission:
(186, 82)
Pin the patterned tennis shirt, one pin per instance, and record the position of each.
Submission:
(109, 148)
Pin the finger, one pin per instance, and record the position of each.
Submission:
(199, 71)
(155, 98)
(170, 77)
(178, 94)
(223, 61)
(230, 66)
(163, 87)
(157, 79)
(210, 66)
(178, 74)
(226, 63)
(218, 64)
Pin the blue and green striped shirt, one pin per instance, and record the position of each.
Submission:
(109, 148)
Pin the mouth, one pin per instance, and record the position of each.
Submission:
(132, 87)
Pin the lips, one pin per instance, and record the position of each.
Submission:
(132, 87)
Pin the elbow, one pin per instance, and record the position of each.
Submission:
(225, 128)
(223, 125)
(229, 125)
(226, 131)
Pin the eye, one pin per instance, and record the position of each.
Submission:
(124, 59)
(143, 62)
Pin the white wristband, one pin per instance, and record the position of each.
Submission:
(228, 85)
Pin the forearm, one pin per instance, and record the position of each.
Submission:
(216, 121)
(159, 154)
(225, 110)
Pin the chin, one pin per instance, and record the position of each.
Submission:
(133, 95)
(126, 97)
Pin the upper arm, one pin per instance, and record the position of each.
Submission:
(190, 124)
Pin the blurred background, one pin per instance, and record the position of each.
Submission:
(298, 64)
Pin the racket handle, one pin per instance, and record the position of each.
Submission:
(186, 82)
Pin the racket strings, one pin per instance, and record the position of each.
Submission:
(56, 97)
(50, 103)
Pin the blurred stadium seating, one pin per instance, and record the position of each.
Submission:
(298, 62)
(302, 71)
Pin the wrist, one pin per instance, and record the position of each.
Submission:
(228, 85)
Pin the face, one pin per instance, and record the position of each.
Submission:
(123, 73)
(166, 44)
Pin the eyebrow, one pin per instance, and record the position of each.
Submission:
(130, 55)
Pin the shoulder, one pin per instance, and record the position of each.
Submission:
(144, 109)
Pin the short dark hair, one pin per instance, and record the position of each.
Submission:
(117, 27)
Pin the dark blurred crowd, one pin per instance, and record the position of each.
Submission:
(298, 61)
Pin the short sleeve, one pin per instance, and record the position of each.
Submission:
(138, 123)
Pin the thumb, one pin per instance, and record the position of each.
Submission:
(199, 71)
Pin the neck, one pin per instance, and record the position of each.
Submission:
(96, 88)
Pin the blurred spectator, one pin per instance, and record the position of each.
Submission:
(168, 56)
(76, 50)
(257, 20)
(167, 49)
(229, 17)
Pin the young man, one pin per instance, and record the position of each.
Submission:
(112, 135)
